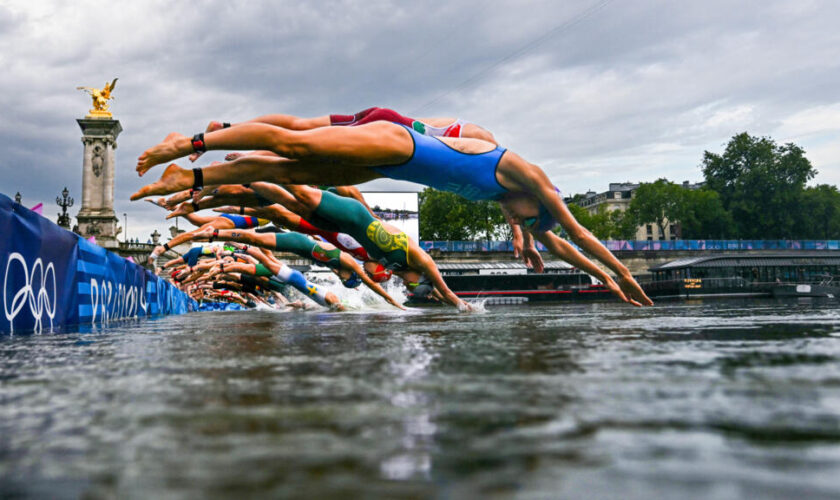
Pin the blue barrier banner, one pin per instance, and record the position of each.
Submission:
(648, 246)
(53, 278)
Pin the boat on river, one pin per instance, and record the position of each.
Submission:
(514, 283)
(800, 274)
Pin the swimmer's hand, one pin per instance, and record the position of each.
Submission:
(616, 290)
(533, 259)
(633, 291)
(464, 307)
(182, 209)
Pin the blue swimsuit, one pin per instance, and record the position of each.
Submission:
(244, 221)
(434, 163)
(194, 253)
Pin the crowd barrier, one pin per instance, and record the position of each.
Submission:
(472, 246)
(53, 278)
(631, 245)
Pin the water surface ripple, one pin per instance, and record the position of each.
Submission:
(720, 399)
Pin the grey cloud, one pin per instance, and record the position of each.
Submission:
(634, 91)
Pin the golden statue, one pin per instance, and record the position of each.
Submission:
(100, 99)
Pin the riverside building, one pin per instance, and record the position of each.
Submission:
(618, 197)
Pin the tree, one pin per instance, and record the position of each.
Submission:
(701, 215)
(820, 213)
(604, 224)
(760, 184)
(441, 216)
(447, 216)
(657, 203)
(623, 225)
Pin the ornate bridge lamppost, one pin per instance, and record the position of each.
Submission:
(17, 197)
(64, 202)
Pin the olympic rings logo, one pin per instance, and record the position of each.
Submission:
(40, 300)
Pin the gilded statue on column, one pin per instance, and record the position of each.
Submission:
(100, 99)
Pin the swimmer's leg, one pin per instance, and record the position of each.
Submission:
(264, 240)
(259, 168)
(379, 143)
(288, 275)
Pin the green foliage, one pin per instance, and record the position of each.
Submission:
(820, 213)
(701, 216)
(698, 212)
(656, 203)
(604, 224)
(761, 184)
(447, 216)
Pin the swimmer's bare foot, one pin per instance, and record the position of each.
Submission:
(174, 179)
(211, 127)
(172, 147)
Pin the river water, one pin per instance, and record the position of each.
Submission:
(716, 399)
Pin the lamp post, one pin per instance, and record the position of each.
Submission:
(65, 201)
(17, 197)
(125, 236)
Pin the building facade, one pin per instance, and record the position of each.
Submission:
(618, 197)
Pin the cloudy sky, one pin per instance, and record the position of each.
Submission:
(594, 91)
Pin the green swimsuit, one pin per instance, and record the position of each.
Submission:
(391, 250)
(307, 248)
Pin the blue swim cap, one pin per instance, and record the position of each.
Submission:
(353, 281)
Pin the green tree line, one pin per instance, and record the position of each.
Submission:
(755, 189)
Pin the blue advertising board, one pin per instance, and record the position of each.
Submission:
(53, 278)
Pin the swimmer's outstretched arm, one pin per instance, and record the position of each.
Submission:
(532, 179)
(586, 240)
(295, 278)
(212, 222)
(174, 262)
(422, 262)
(530, 255)
(350, 263)
(570, 254)
(523, 242)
